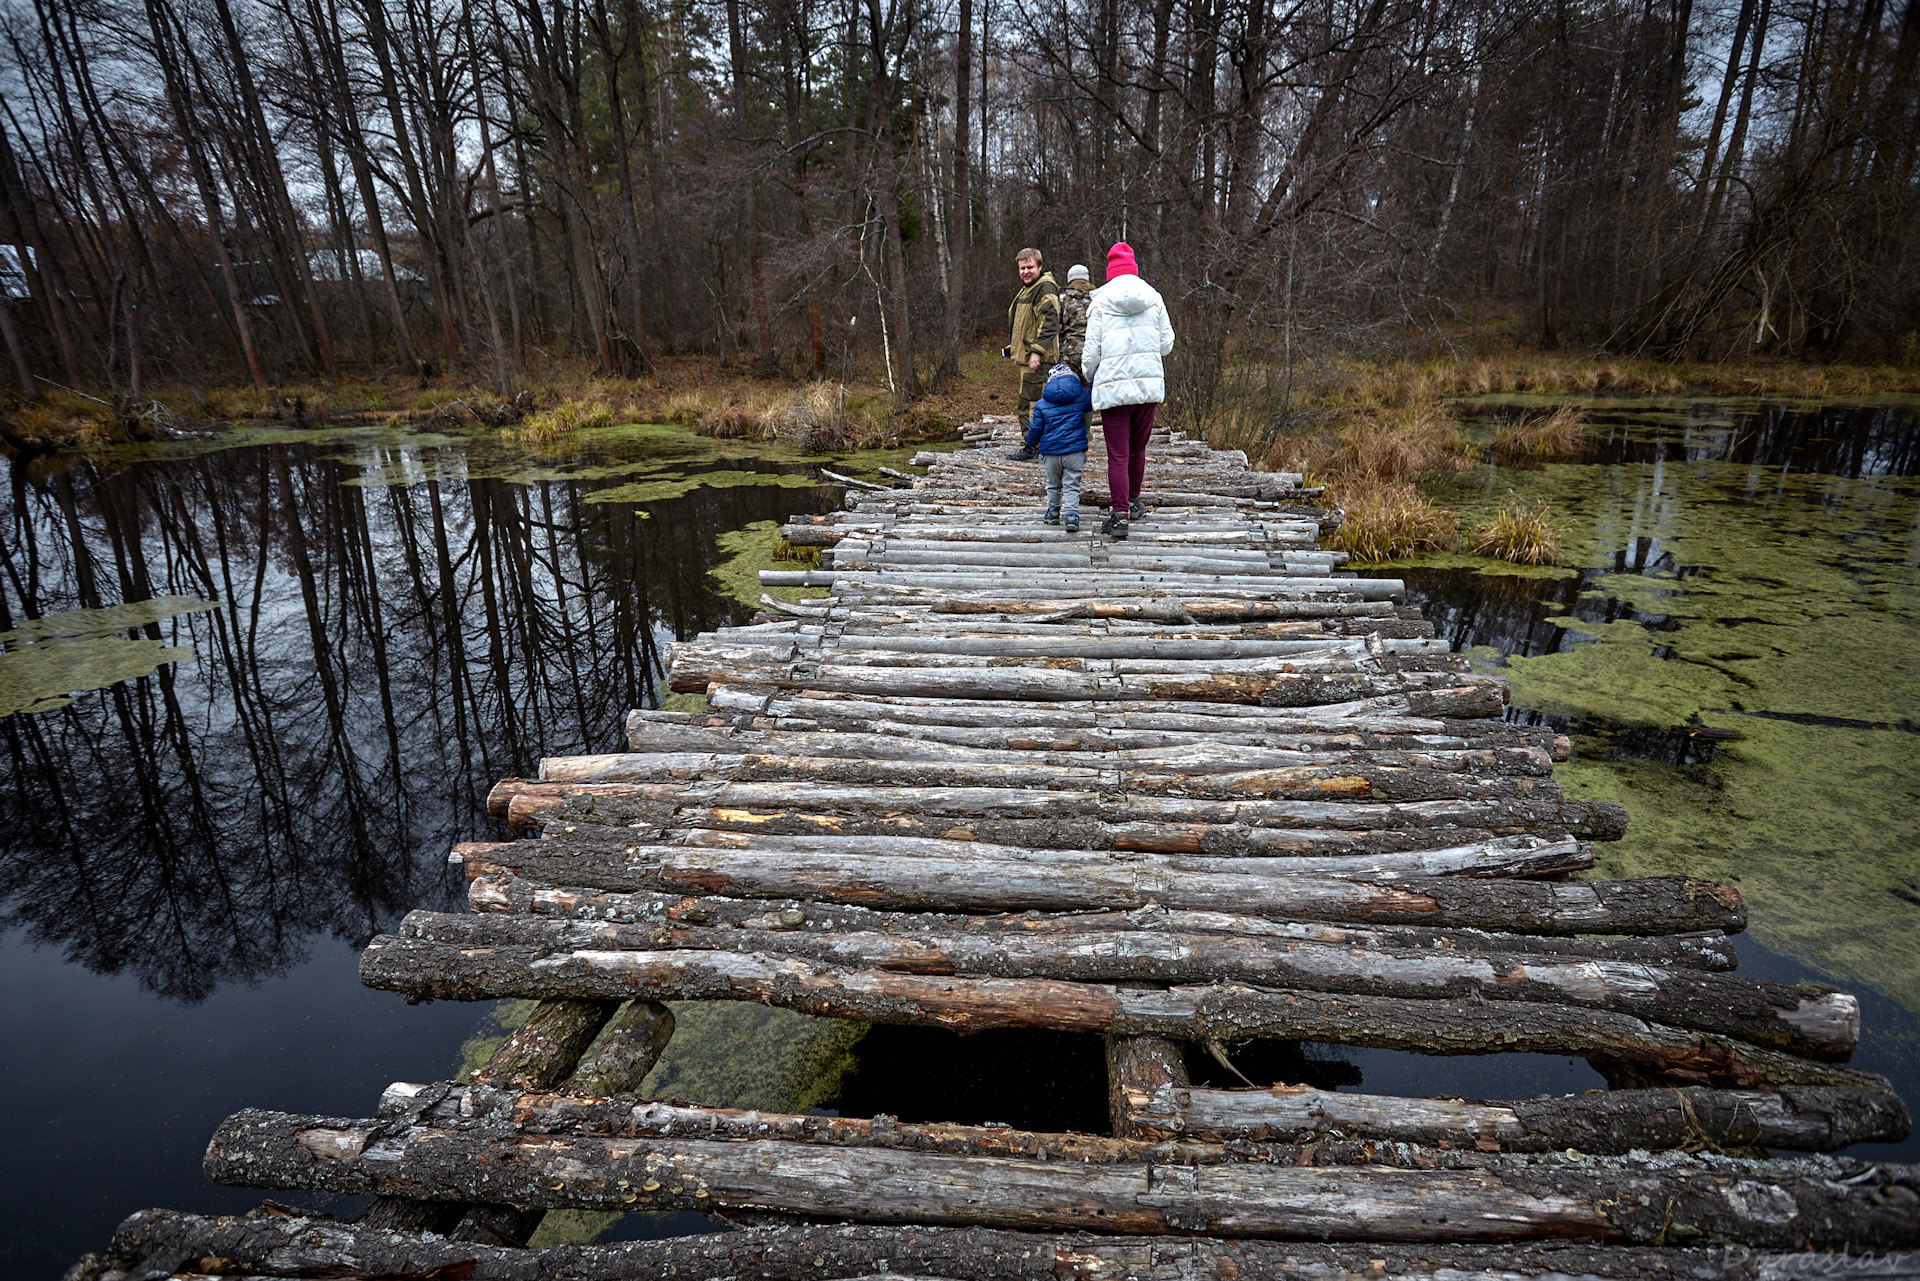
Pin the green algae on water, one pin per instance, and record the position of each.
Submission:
(749, 551)
(48, 660)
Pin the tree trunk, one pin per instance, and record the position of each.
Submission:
(259, 1246)
(1637, 1201)
(1798, 1019)
(1605, 1123)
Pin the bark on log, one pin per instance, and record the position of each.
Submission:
(1801, 1019)
(1810, 1119)
(632, 1044)
(1058, 819)
(156, 1241)
(1653, 905)
(1204, 755)
(1310, 782)
(422, 970)
(493, 891)
(1772, 1204)
(1139, 1065)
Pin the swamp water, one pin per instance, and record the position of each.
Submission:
(195, 851)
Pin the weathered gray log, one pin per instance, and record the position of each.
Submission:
(1306, 782)
(1061, 581)
(1802, 1019)
(423, 970)
(1445, 693)
(1088, 646)
(1202, 755)
(156, 1241)
(1161, 1118)
(540, 1053)
(880, 738)
(1804, 1118)
(1062, 819)
(499, 892)
(1654, 905)
(1772, 1204)
(1549, 854)
(1139, 1065)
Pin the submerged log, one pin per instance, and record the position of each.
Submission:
(1802, 1019)
(152, 1241)
(1599, 1123)
(495, 891)
(423, 970)
(1616, 1199)
(1656, 905)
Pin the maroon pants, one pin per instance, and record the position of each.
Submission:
(1126, 428)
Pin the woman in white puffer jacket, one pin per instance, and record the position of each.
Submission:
(1128, 334)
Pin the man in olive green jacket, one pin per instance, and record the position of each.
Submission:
(1033, 332)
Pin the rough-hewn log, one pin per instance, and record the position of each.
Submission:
(1657, 905)
(1611, 1199)
(1208, 748)
(1548, 854)
(1138, 1066)
(539, 1054)
(159, 1240)
(1365, 781)
(1061, 819)
(630, 1046)
(1802, 1019)
(421, 970)
(500, 892)
(1197, 756)
(1066, 581)
(1804, 1118)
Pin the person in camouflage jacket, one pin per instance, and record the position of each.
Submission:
(1074, 301)
(1033, 332)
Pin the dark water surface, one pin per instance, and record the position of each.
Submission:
(195, 851)
(191, 859)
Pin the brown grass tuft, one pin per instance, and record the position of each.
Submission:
(562, 419)
(1554, 435)
(1519, 532)
(1392, 520)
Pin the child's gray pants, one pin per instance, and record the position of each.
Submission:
(1063, 474)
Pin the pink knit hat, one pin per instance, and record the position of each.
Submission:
(1120, 261)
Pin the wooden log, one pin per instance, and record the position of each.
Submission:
(1803, 1118)
(1199, 755)
(424, 970)
(151, 1242)
(1057, 580)
(540, 1053)
(1361, 781)
(1801, 1019)
(493, 890)
(1150, 822)
(1653, 905)
(1506, 856)
(1774, 1204)
(632, 1044)
(1163, 1119)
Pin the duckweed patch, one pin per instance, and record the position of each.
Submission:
(49, 660)
(1745, 595)
(749, 551)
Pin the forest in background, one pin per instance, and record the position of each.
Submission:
(217, 192)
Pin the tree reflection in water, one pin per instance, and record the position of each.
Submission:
(380, 657)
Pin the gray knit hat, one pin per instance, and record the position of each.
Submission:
(1078, 272)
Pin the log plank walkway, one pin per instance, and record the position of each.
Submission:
(1181, 791)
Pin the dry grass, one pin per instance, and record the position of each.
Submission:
(1519, 532)
(1388, 521)
(1555, 435)
(60, 419)
(562, 420)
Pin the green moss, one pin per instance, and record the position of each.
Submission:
(684, 703)
(1781, 599)
(663, 488)
(749, 551)
(50, 659)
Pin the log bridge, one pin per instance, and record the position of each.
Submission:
(1182, 791)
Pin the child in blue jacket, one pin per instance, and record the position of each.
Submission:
(1058, 431)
